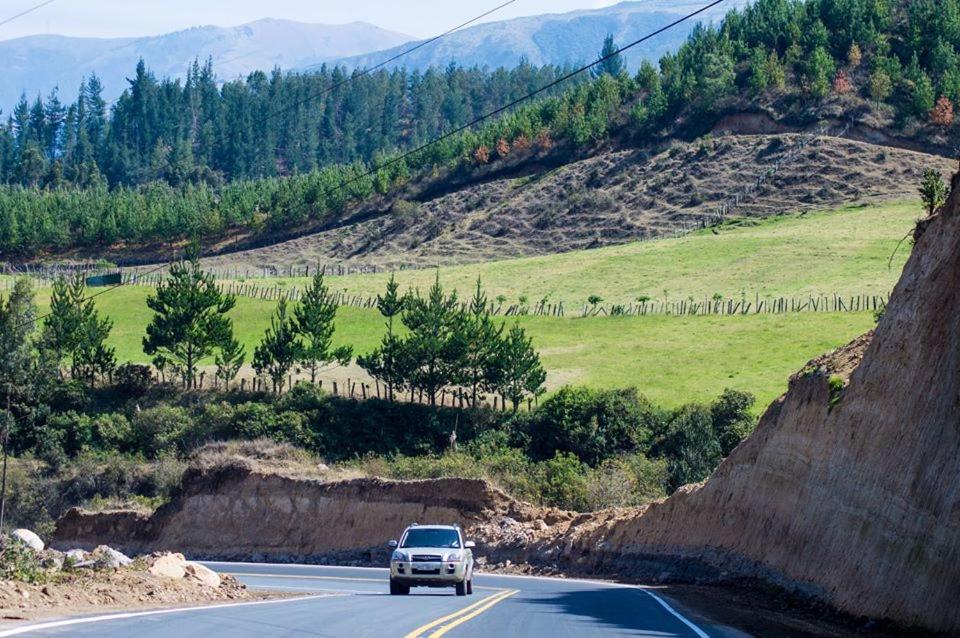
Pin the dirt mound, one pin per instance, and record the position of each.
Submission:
(850, 493)
(613, 197)
(238, 510)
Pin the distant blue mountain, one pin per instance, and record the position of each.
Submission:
(37, 64)
(557, 38)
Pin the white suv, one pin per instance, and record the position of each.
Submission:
(431, 556)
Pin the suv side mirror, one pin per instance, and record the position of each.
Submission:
(392, 544)
(469, 544)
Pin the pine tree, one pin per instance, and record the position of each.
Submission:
(516, 370)
(229, 360)
(481, 338)
(432, 355)
(73, 330)
(315, 318)
(190, 320)
(280, 348)
(611, 61)
(382, 363)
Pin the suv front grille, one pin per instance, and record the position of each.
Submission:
(426, 558)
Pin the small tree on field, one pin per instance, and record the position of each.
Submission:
(933, 191)
(880, 86)
(279, 349)
(841, 84)
(383, 363)
(503, 148)
(73, 330)
(314, 318)
(516, 371)
(854, 55)
(481, 339)
(229, 361)
(190, 320)
(482, 155)
(432, 354)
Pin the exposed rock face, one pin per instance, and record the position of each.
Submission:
(858, 502)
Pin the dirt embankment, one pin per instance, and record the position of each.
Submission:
(244, 511)
(850, 494)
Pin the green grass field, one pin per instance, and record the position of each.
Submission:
(844, 251)
(672, 360)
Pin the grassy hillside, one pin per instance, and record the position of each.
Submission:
(844, 251)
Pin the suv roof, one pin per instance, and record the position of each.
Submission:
(419, 526)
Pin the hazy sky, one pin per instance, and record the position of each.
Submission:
(113, 18)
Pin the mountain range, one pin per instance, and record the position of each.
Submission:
(36, 64)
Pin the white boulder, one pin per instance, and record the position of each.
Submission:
(28, 538)
(109, 558)
(205, 575)
(169, 566)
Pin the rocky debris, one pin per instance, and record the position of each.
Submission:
(77, 581)
(28, 538)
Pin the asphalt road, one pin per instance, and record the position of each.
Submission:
(353, 603)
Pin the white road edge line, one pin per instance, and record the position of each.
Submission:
(605, 583)
(700, 633)
(25, 629)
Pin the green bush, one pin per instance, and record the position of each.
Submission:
(592, 424)
(161, 430)
(564, 482)
(19, 563)
(690, 445)
(114, 431)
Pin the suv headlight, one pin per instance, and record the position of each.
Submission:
(453, 557)
(400, 556)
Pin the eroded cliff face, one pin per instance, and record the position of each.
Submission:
(855, 497)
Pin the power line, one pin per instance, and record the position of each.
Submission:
(23, 13)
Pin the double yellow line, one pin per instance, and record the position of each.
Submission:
(445, 624)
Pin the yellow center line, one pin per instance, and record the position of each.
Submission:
(348, 578)
(457, 618)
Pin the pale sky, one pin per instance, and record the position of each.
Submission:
(119, 18)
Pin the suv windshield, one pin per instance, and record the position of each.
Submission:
(432, 538)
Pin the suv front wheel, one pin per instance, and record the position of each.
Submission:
(396, 589)
(462, 588)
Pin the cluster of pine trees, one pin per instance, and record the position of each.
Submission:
(448, 344)
(432, 344)
(174, 160)
(199, 131)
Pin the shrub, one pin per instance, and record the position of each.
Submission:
(592, 424)
(626, 481)
(133, 380)
(19, 563)
(161, 430)
(732, 420)
(564, 482)
(114, 431)
(690, 445)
